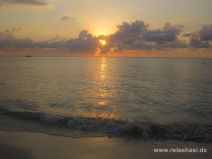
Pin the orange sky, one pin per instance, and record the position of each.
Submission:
(154, 28)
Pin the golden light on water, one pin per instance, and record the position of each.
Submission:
(100, 97)
(103, 74)
(103, 103)
(103, 69)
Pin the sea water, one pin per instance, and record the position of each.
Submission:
(132, 90)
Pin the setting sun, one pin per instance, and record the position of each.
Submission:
(103, 42)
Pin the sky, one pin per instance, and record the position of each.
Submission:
(80, 26)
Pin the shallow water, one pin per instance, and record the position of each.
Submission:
(151, 90)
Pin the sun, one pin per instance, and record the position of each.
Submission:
(103, 42)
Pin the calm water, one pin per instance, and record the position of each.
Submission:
(132, 89)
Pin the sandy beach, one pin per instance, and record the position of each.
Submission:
(20, 145)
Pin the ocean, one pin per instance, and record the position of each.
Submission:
(147, 98)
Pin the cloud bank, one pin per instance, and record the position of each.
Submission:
(129, 36)
(4, 3)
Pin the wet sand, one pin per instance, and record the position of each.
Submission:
(19, 145)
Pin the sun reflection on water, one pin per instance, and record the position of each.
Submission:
(99, 96)
(102, 94)
(103, 66)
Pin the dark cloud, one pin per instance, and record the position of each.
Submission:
(86, 42)
(128, 35)
(67, 18)
(137, 36)
(9, 41)
(201, 38)
(167, 34)
(205, 33)
(4, 3)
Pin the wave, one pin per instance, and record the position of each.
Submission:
(54, 124)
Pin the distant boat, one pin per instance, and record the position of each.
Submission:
(28, 56)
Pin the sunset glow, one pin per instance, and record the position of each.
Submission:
(120, 28)
(103, 42)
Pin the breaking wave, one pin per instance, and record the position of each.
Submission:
(57, 125)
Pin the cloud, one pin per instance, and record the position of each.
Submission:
(85, 42)
(67, 18)
(129, 36)
(8, 41)
(206, 33)
(201, 38)
(167, 34)
(137, 36)
(38, 3)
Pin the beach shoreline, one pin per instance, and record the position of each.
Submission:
(26, 145)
